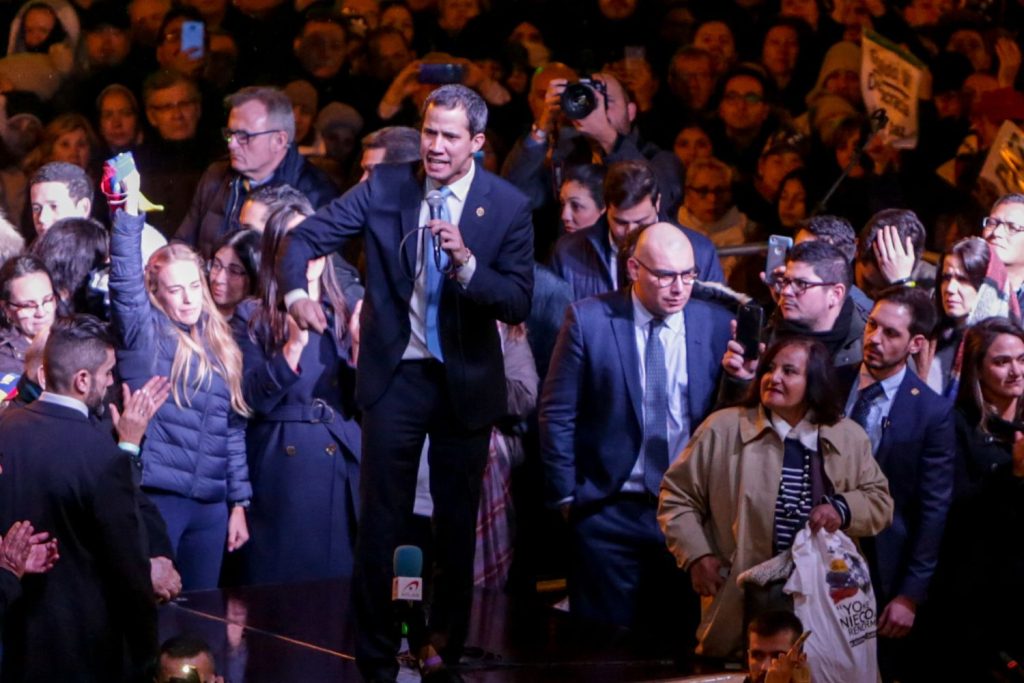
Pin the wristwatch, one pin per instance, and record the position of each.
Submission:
(538, 134)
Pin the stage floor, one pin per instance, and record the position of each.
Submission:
(303, 633)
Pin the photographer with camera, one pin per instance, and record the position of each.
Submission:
(576, 121)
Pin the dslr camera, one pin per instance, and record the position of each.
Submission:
(579, 99)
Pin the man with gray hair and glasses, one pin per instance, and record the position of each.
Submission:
(1003, 228)
(261, 142)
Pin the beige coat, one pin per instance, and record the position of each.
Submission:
(718, 497)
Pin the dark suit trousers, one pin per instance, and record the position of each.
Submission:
(415, 405)
(621, 573)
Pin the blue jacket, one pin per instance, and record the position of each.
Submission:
(591, 423)
(197, 450)
(582, 259)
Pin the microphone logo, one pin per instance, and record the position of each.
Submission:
(407, 588)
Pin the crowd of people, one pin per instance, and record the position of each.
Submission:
(462, 275)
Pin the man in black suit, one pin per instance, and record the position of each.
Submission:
(93, 616)
(431, 361)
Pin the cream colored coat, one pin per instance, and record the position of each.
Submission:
(718, 497)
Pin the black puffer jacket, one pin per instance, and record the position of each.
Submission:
(221, 192)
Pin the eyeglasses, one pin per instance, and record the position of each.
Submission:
(748, 97)
(799, 285)
(665, 278)
(173, 106)
(234, 270)
(243, 137)
(34, 306)
(705, 190)
(996, 223)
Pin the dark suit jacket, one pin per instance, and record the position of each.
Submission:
(591, 409)
(581, 258)
(917, 454)
(495, 226)
(94, 611)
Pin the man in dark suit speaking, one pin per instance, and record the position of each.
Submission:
(431, 360)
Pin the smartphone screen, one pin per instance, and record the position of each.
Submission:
(192, 38)
(441, 74)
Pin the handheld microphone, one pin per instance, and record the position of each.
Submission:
(434, 201)
(408, 567)
(407, 591)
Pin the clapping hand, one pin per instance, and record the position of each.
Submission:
(139, 408)
(24, 552)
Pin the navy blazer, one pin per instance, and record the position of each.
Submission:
(581, 258)
(917, 454)
(591, 419)
(496, 226)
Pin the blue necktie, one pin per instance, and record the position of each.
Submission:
(655, 409)
(435, 281)
(865, 400)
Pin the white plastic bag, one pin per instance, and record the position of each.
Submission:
(832, 596)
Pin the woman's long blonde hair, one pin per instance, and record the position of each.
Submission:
(209, 342)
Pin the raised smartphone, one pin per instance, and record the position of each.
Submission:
(749, 321)
(778, 247)
(441, 74)
(192, 38)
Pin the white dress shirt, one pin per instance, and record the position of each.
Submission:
(878, 415)
(673, 340)
(417, 348)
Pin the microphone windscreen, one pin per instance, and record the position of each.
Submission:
(434, 198)
(408, 561)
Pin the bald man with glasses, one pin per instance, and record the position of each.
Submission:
(633, 373)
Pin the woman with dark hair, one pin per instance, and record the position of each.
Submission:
(303, 442)
(785, 54)
(234, 270)
(76, 252)
(753, 475)
(962, 271)
(582, 196)
(793, 203)
(978, 580)
(988, 405)
(28, 306)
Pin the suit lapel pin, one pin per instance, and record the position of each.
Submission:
(915, 391)
(480, 212)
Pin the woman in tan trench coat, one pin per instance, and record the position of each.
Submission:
(718, 503)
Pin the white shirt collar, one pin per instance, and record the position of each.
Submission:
(642, 317)
(889, 385)
(460, 188)
(805, 431)
(66, 401)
